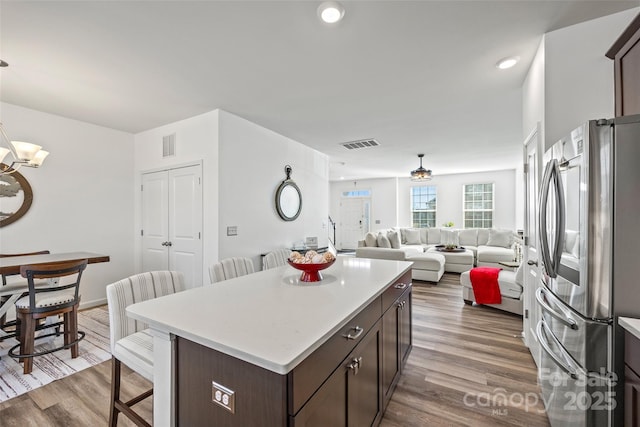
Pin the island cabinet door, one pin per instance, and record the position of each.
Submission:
(351, 396)
(396, 342)
(405, 333)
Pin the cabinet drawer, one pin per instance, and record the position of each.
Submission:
(309, 375)
(394, 291)
(632, 352)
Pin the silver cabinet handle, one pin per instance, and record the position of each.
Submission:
(540, 294)
(400, 285)
(359, 332)
(355, 365)
(532, 263)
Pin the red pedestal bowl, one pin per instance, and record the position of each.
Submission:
(311, 272)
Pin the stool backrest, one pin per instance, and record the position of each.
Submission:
(275, 258)
(53, 270)
(137, 288)
(230, 268)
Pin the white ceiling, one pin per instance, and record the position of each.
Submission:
(418, 76)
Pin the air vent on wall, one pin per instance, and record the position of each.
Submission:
(362, 143)
(169, 145)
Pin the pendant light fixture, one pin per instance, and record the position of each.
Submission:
(421, 174)
(22, 154)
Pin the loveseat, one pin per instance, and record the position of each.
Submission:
(486, 246)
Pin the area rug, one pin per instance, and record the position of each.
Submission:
(94, 349)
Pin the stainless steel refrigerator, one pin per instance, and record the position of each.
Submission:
(589, 237)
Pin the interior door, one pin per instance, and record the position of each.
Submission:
(185, 223)
(155, 218)
(172, 222)
(354, 221)
(532, 176)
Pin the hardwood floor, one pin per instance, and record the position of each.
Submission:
(463, 360)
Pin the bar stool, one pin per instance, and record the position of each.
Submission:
(229, 268)
(131, 341)
(42, 302)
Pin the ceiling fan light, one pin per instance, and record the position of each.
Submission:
(330, 12)
(421, 174)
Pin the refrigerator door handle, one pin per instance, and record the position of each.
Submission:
(560, 215)
(542, 331)
(542, 220)
(540, 295)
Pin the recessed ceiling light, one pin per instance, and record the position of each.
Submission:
(330, 12)
(509, 62)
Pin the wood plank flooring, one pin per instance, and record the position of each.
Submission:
(463, 360)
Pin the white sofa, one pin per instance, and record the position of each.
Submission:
(511, 289)
(489, 246)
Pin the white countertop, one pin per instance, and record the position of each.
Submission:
(630, 324)
(270, 318)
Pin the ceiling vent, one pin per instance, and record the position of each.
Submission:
(169, 145)
(362, 143)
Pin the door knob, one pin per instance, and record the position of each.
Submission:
(533, 263)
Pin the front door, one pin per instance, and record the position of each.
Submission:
(354, 221)
(532, 176)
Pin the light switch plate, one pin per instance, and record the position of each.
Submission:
(232, 230)
(223, 396)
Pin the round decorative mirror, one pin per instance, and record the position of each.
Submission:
(288, 198)
(15, 196)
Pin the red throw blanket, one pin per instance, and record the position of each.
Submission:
(484, 281)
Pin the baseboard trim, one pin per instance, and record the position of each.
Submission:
(91, 304)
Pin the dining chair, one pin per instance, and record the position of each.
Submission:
(45, 301)
(131, 340)
(15, 286)
(230, 268)
(275, 258)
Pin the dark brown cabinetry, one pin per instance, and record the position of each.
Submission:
(341, 383)
(626, 55)
(396, 324)
(631, 381)
(351, 395)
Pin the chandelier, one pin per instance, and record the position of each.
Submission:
(23, 154)
(421, 174)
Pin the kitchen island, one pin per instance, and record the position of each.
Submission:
(267, 349)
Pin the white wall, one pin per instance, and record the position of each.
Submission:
(196, 140)
(578, 77)
(82, 195)
(252, 162)
(391, 205)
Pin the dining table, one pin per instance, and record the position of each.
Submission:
(11, 292)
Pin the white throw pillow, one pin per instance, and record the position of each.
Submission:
(433, 236)
(468, 237)
(500, 238)
(383, 241)
(370, 240)
(413, 236)
(394, 239)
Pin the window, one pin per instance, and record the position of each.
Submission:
(357, 193)
(478, 206)
(423, 206)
